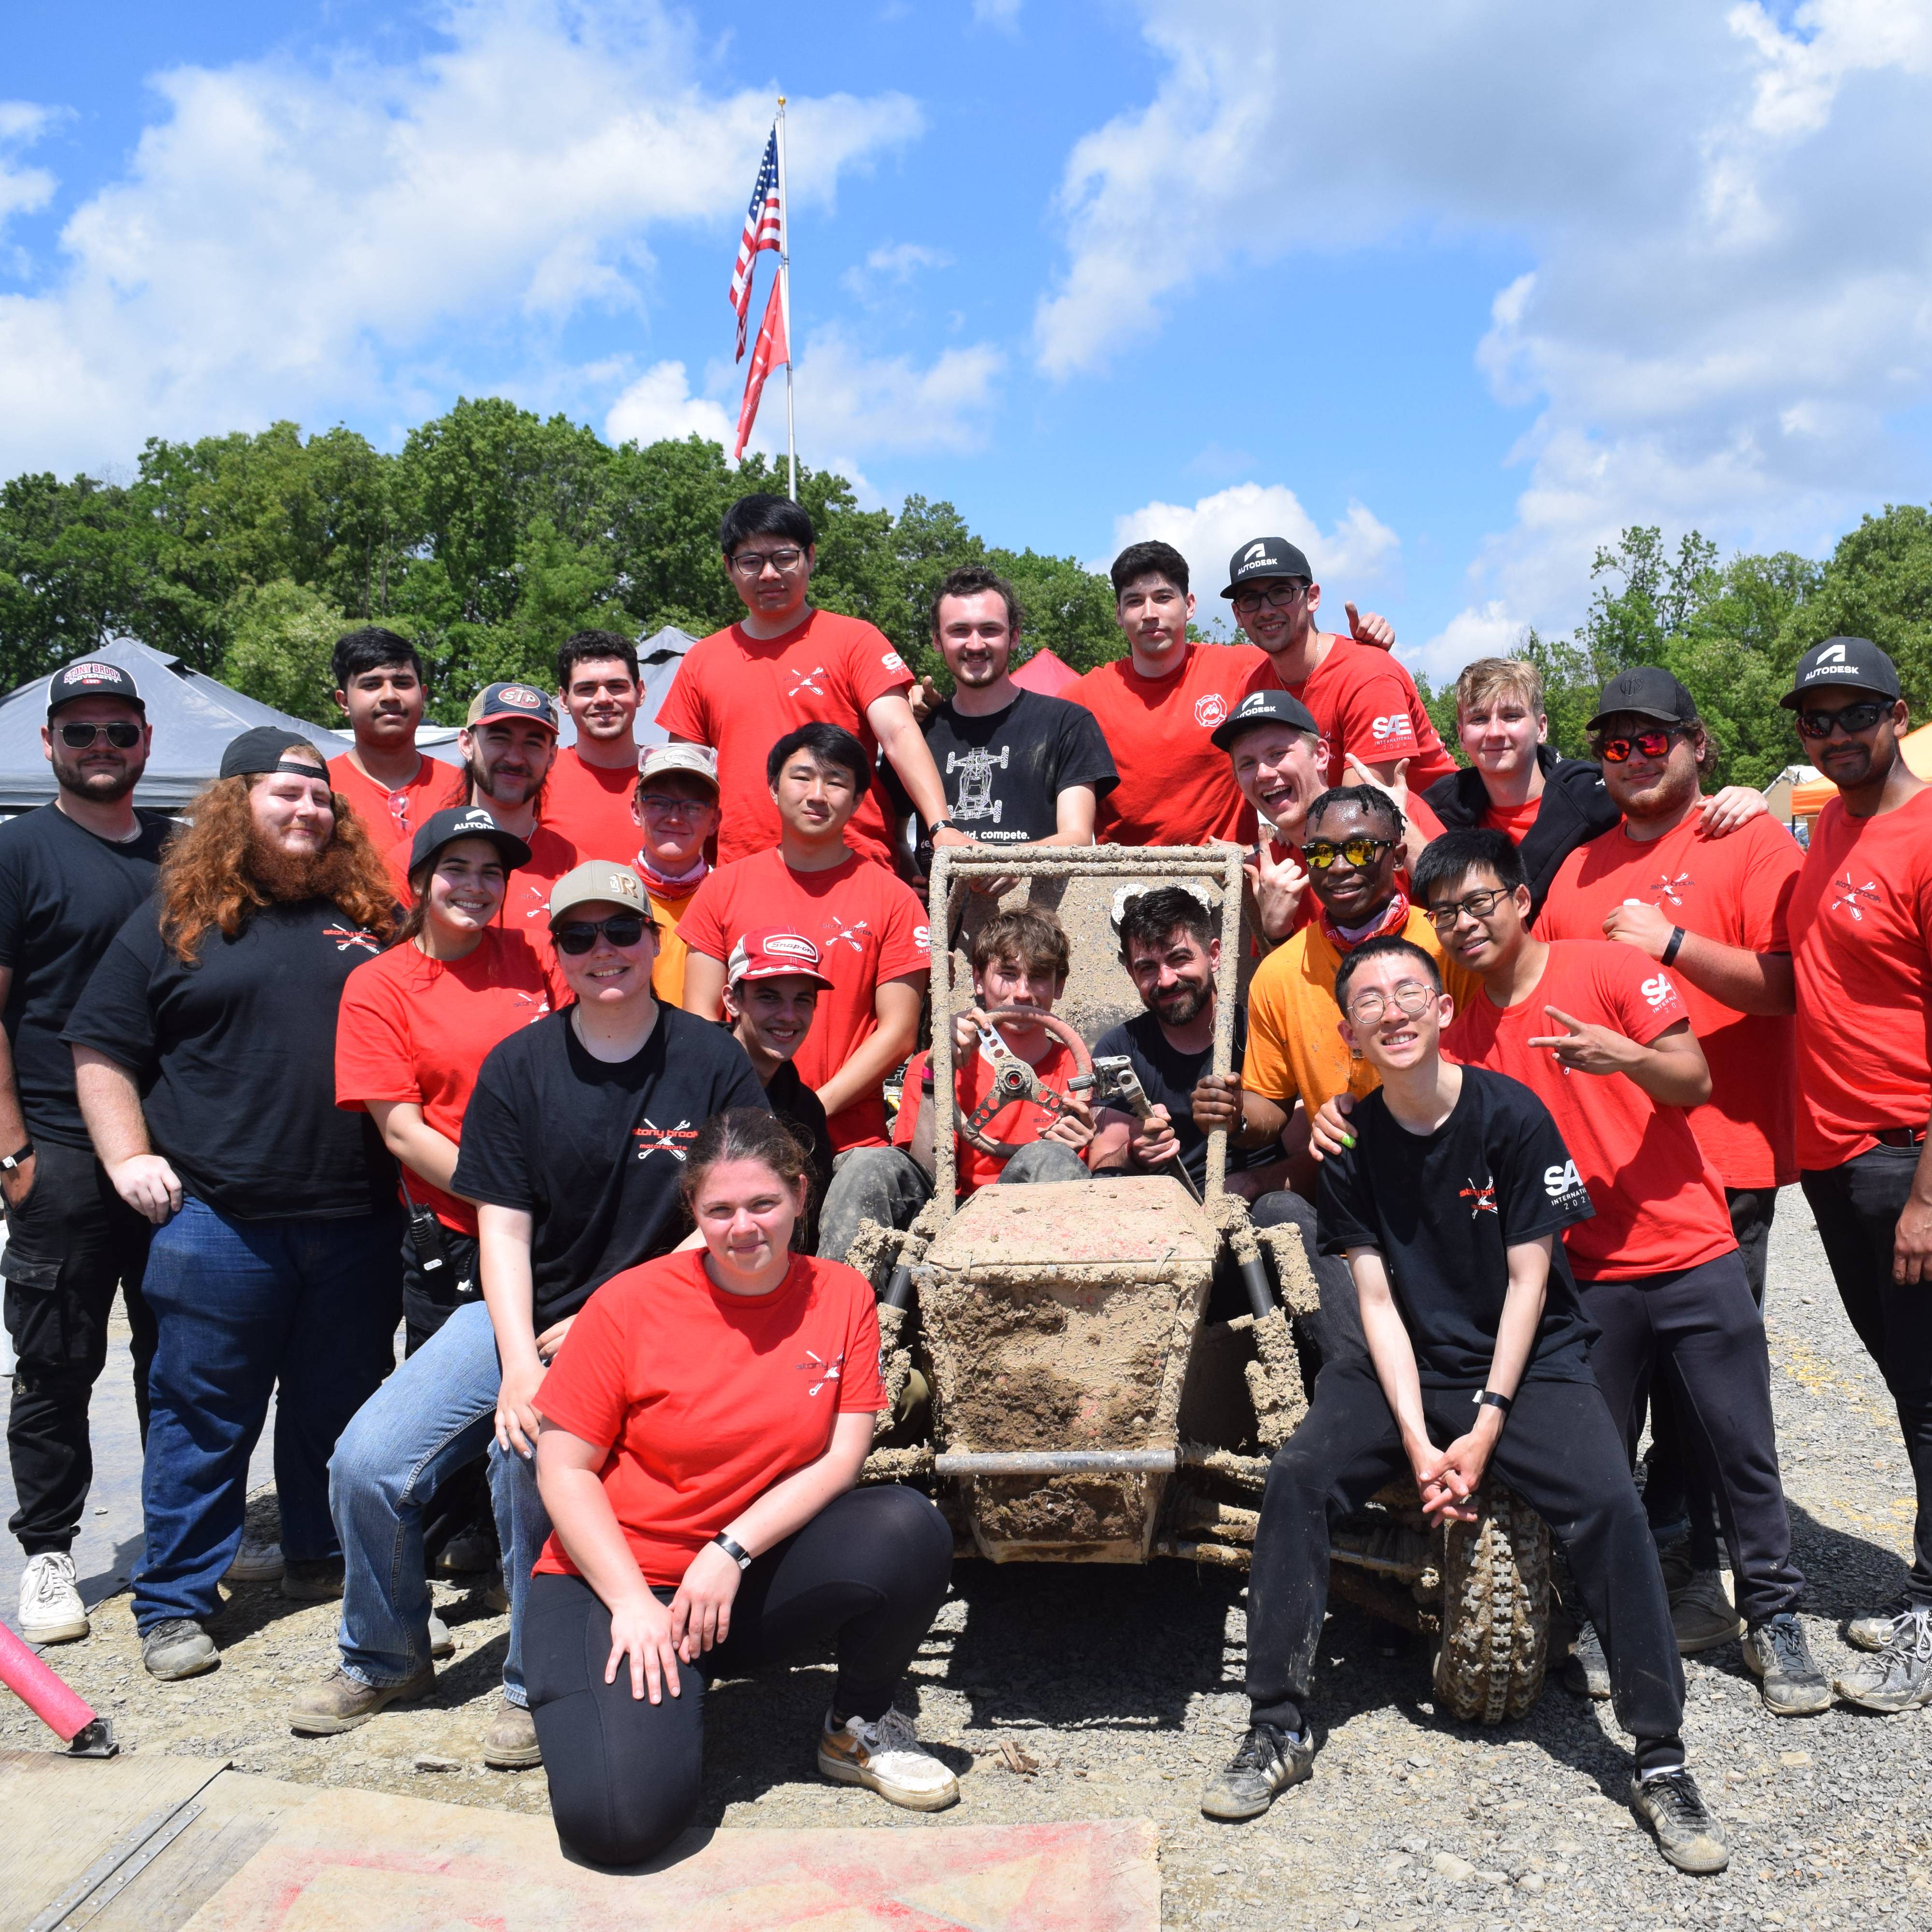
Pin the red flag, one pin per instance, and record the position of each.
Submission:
(772, 348)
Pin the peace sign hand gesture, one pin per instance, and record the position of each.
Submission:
(1584, 1048)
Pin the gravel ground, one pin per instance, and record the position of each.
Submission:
(1075, 1693)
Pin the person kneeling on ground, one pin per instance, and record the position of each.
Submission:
(1020, 958)
(1449, 1207)
(703, 1427)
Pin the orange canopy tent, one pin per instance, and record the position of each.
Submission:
(1809, 799)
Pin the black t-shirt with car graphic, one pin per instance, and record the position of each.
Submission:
(1004, 773)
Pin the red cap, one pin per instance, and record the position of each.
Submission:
(772, 955)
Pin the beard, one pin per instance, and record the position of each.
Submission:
(98, 786)
(1668, 794)
(1184, 1004)
(287, 877)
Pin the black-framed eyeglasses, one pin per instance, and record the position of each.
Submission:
(1411, 998)
(1478, 905)
(622, 929)
(1852, 720)
(1651, 744)
(1278, 597)
(1322, 853)
(122, 734)
(752, 563)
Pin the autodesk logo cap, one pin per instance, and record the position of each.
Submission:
(1857, 662)
(1266, 556)
(1264, 707)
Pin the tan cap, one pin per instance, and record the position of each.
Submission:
(699, 760)
(597, 879)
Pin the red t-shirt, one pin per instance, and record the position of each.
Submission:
(1516, 820)
(1734, 890)
(526, 896)
(741, 695)
(1176, 788)
(1018, 1120)
(589, 807)
(1365, 703)
(867, 927)
(1660, 1205)
(393, 817)
(1861, 921)
(413, 1028)
(707, 1399)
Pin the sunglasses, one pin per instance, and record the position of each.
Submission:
(1853, 719)
(121, 734)
(1411, 998)
(1651, 744)
(622, 929)
(1321, 854)
(1478, 905)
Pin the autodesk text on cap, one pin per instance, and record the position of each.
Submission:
(1266, 556)
(1645, 691)
(1263, 707)
(1856, 661)
(466, 821)
(91, 677)
(598, 880)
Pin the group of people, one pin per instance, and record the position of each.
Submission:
(572, 1062)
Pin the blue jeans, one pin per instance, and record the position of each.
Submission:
(432, 1417)
(242, 1307)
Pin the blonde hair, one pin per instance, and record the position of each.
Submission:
(1489, 679)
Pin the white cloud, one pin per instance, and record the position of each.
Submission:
(1002, 13)
(1482, 631)
(23, 189)
(894, 265)
(659, 405)
(286, 237)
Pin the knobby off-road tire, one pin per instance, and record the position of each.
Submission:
(1495, 1611)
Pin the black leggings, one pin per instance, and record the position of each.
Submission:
(869, 1571)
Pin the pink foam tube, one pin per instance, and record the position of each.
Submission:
(44, 1693)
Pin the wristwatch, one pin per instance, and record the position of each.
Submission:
(738, 1553)
(10, 1163)
(1489, 1398)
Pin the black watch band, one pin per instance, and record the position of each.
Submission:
(1670, 951)
(10, 1163)
(738, 1553)
(942, 825)
(1489, 1398)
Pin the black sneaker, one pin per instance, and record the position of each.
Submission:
(1586, 1672)
(1872, 1629)
(1686, 1833)
(1269, 1761)
(1899, 1677)
(1776, 1654)
(312, 1580)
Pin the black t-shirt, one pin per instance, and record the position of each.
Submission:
(1169, 1078)
(592, 1150)
(235, 1058)
(800, 1108)
(1003, 774)
(1444, 1208)
(63, 894)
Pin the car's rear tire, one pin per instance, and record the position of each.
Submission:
(1495, 1611)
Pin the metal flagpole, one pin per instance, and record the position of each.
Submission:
(784, 298)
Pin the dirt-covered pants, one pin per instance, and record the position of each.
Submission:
(1559, 1451)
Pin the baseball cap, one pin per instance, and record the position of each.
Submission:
(264, 748)
(511, 700)
(774, 954)
(91, 677)
(466, 821)
(1266, 556)
(1263, 707)
(1852, 660)
(599, 879)
(699, 759)
(1647, 692)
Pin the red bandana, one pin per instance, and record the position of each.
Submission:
(660, 887)
(1394, 917)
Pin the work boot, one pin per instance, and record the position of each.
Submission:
(178, 1647)
(510, 1742)
(258, 1560)
(340, 1702)
(1776, 1654)
(1899, 1677)
(884, 1754)
(1586, 1672)
(1269, 1761)
(1669, 1802)
(51, 1611)
(1702, 1614)
(312, 1580)
(1874, 1629)
(468, 1551)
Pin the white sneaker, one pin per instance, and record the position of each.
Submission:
(885, 1757)
(256, 1561)
(51, 1611)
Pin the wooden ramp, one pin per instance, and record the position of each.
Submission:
(156, 1844)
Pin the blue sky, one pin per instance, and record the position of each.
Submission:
(1449, 294)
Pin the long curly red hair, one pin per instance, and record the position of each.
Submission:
(206, 879)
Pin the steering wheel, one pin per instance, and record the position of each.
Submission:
(1014, 1080)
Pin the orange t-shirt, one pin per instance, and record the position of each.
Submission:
(1860, 922)
(1516, 820)
(668, 975)
(707, 1399)
(867, 927)
(413, 1028)
(1365, 702)
(1019, 1121)
(741, 695)
(589, 806)
(393, 816)
(1176, 787)
(1660, 1204)
(1734, 890)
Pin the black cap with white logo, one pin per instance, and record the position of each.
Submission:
(1264, 707)
(1856, 662)
(91, 677)
(1645, 691)
(467, 821)
(1266, 556)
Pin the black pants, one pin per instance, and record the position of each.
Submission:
(1858, 1206)
(1699, 1332)
(1675, 1495)
(69, 1245)
(868, 1574)
(430, 1297)
(1559, 1450)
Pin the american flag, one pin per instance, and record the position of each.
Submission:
(773, 349)
(764, 228)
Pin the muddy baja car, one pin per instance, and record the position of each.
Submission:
(1056, 1382)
